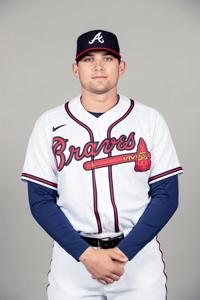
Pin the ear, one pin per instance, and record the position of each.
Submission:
(122, 67)
(75, 70)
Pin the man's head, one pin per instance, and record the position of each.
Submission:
(98, 61)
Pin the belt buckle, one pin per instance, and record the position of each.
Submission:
(103, 241)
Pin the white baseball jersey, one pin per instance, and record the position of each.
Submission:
(101, 167)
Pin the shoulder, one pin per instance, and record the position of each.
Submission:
(52, 114)
(143, 111)
(58, 113)
(146, 110)
(49, 119)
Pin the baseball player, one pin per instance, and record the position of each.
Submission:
(102, 182)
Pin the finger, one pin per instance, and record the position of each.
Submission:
(109, 280)
(118, 257)
(115, 277)
(120, 253)
(99, 280)
(120, 260)
(117, 250)
(106, 281)
(112, 278)
(119, 271)
(102, 281)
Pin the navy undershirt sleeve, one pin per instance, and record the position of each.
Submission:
(163, 204)
(48, 214)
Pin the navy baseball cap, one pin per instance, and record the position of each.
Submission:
(97, 40)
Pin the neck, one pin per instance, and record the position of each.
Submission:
(99, 103)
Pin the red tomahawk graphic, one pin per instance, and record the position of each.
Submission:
(142, 159)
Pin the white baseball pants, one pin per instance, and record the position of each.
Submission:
(144, 278)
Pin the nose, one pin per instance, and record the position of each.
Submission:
(98, 66)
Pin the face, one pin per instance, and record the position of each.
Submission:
(98, 71)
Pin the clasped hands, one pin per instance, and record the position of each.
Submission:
(104, 265)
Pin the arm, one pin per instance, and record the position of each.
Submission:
(105, 266)
(163, 204)
(47, 213)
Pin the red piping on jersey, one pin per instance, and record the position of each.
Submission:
(110, 167)
(39, 179)
(164, 267)
(93, 171)
(165, 173)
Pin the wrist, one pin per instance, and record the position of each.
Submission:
(87, 253)
(121, 252)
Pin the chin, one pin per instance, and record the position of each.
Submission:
(100, 92)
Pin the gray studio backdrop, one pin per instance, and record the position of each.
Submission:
(160, 40)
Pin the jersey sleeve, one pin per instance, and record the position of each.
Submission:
(39, 165)
(164, 160)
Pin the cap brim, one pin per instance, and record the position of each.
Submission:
(94, 49)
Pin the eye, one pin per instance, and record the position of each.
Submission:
(108, 58)
(87, 59)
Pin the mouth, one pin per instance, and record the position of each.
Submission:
(99, 77)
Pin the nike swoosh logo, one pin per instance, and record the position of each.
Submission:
(55, 128)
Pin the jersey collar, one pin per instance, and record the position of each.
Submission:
(76, 108)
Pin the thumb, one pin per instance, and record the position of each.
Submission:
(117, 256)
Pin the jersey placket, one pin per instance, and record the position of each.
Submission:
(103, 129)
(105, 206)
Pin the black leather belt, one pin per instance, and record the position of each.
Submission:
(104, 243)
